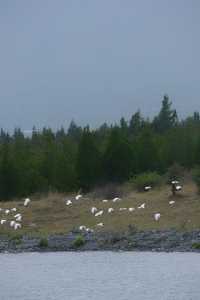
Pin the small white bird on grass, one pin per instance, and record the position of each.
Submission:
(131, 209)
(82, 227)
(116, 199)
(147, 188)
(93, 210)
(104, 201)
(12, 223)
(157, 216)
(19, 218)
(17, 226)
(78, 197)
(110, 210)
(27, 201)
(7, 211)
(17, 215)
(3, 221)
(99, 213)
(174, 182)
(141, 206)
(68, 202)
(100, 224)
(178, 188)
(122, 208)
(89, 230)
(13, 209)
(171, 202)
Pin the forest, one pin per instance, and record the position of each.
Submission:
(83, 158)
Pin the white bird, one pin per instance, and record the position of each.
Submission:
(174, 182)
(104, 200)
(27, 201)
(7, 211)
(141, 206)
(171, 202)
(78, 197)
(131, 209)
(1, 209)
(178, 188)
(99, 213)
(3, 221)
(12, 223)
(110, 210)
(13, 209)
(82, 227)
(157, 216)
(68, 202)
(19, 218)
(116, 199)
(17, 225)
(93, 210)
(100, 224)
(89, 230)
(17, 215)
(122, 208)
(147, 188)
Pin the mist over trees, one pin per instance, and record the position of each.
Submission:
(66, 161)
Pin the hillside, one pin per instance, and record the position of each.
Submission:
(51, 215)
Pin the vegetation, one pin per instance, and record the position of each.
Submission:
(43, 243)
(79, 241)
(83, 158)
(146, 179)
(196, 245)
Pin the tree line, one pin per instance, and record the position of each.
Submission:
(66, 161)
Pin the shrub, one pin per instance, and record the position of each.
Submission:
(196, 245)
(149, 178)
(17, 239)
(108, 191)
(196, 177)
(43, 243)
(79, 241)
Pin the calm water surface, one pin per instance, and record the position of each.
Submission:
(100, 275)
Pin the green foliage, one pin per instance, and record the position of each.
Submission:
(16, 238)
(43, 243)
(196, 245)
(196, 177)
(79, 241)
(146, 179)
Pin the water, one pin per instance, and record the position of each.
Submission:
(100, 276)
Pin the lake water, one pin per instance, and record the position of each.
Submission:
(100, 276)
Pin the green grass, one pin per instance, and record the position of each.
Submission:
(43, 243)
(79, 241)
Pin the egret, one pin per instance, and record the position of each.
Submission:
(17, 225)
(19, 218)
(3, 221)
(141, 206)
(7, 211)
(78, 197)
(116, 199)
(157, 216)
(13, 209)
(122, 208)
(178, 188)
(98, 214)
(147, 188)
(104, 201)
(93, 210)
(100, 224)
(17, 215)
(82, 227)
(68, 202)
(174, 182)
(110, 210)
(27, 201)
(12, 223)
(131, 209)
(171, 202)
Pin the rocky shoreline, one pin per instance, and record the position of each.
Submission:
(152, 240)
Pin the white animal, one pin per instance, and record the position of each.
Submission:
(171, 202)
(1, 209)
(27, 201)
(17, 215)
(93, 210)
(147, 188)
(3, 221)
(131, 209)
(157, 216)
(68, 202)
(116, 199)
(174, 182)
(122, 208)
(13, 209)
(12, 223)
(178, 188)
(110, 210)
(17, 225)
(7, 211)
(78, 197)
(89, 230)
(19, 218)
(100, 224)
(104, 200)
(141, 206)
(82, 227)
(99, 213)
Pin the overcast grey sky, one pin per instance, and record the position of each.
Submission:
(96, 60)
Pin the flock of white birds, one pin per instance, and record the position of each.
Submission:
(12, 219)
(99, 212)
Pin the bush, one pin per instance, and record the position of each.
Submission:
(108, 191)
(196, 177)
(196, 245)
(150, 178)
(175, 172)
(43, 243)
(17, 239)
(79, 241)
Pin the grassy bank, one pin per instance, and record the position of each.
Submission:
(50, 214)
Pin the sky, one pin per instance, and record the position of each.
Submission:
(96, 60)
